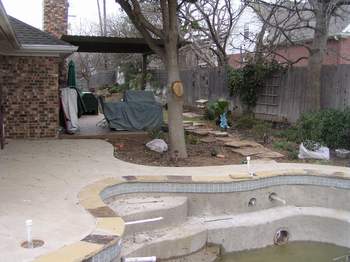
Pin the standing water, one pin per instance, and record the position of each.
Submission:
(291, 252)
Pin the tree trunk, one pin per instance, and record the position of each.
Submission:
(319, 44)
(175, 106)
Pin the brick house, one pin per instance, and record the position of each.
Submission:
(31, 63)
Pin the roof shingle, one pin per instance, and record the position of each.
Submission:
(29, 35)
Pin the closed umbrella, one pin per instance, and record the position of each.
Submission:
(72, 83)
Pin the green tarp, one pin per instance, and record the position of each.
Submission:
(138, 111)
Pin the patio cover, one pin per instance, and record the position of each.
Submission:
(104, 44)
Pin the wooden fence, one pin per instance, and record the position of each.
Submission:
(283, 96)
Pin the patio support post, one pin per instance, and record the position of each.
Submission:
(144, 71)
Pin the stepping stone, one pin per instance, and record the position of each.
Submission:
(191, 115)
(219, 133)
(226, 139)
(208, 139)
(199, 124)
(200, 132)
(242, 143)
(189, 128)
(270, 154)
(260, 152)
(249, 151)
(187, 123)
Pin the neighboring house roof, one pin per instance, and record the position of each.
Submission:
(29, 35)
(18, 38)
(339, 24)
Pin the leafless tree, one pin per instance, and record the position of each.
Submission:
(208, 24)
(167, 31)
(303, 23)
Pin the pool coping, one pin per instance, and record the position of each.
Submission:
(110, 227)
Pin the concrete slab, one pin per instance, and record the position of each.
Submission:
(41, 179)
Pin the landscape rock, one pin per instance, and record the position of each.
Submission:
(242, 143)
(208, 139)
(219, 133)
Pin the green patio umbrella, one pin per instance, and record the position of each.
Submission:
(71, 81)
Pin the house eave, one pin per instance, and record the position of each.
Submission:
(6, 29)
(42, 50)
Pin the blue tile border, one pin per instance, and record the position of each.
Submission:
(223, 187)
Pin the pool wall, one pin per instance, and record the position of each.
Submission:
(325, 192)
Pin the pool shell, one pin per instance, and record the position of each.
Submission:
(105, 241)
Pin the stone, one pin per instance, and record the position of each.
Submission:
(260, 152)
(242, 143)
(219, 133)
(249, 151)
(191, 115)
(208, 139)
(200, 132)
(220, 156)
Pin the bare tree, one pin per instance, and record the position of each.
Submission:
(208, 24)
(168, 33)
(301, 23)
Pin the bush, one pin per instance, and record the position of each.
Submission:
(330, 127)
(246, 121)
(192, 139)
(156, 134)
(216, 108)
(262, 129)
(290, 147)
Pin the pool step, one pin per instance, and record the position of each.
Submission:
(173, 210)
(167, 243)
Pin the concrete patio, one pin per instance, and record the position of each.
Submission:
(40, 180)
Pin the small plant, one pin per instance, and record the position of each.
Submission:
(156, 134)
(290, 147)
(216, 108)
(262, 130)
(214, 151)
(246, 121)
(192, 139)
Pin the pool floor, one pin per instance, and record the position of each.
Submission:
(291, 252)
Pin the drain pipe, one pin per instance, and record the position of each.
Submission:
(29, 224)
(139, 259)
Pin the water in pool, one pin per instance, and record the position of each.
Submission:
(291, 252)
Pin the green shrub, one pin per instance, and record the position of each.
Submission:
(156, 134)
(330, 127)
(262, 129)
(290, 134)
(216, 108)
(290, 147)
(192, 139)
(246, 121)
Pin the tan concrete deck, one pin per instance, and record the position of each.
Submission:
(40, 180)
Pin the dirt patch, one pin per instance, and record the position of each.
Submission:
(132, 149)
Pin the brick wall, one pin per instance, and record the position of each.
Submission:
(31, 102)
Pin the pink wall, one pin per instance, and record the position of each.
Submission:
(338, 52)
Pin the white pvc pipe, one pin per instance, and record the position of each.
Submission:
(140, 259)
(144, 221)
(29, 224)
(276, 198)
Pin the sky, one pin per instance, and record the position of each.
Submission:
(80, 11)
